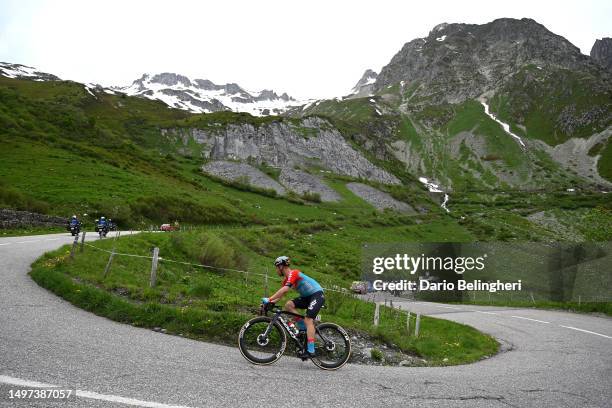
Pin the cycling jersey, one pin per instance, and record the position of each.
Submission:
(304, 284)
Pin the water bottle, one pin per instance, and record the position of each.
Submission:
(293, 328)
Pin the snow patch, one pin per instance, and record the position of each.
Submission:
(505, 126)
(434, 188)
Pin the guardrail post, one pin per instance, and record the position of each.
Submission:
(74, 245)
(418, 325)
(154, 267)
(408, 323)
(108, 264)
(376, 314)
(83, 241)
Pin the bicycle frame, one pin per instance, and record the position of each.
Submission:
(278, 316)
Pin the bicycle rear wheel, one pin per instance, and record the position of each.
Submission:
(259, 348)
(333, 346)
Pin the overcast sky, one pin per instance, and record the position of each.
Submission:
(308, 49)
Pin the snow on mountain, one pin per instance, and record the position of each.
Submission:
(22, 71)
(365, 85)
(202, 95)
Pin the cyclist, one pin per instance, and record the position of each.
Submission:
(311, 298)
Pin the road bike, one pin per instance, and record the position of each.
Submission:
(263, 340)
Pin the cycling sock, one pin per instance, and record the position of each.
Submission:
(310, 347)
(300, 324)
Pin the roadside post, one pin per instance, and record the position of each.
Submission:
(74, 245)
(153, 280)
(83, 241)
(376, 314)
(418, 325)
(109, 263)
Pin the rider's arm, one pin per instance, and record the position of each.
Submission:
(279, 294)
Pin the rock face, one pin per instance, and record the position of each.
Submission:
(302, 182)
(244, 173)
(202, 95)
(311, 142)
(456, 62)
(19, 219)
(379, 199)
(602, 52)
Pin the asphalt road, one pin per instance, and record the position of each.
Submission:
(44, 339)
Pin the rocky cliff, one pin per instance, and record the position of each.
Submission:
(311, 143)
(602, 52)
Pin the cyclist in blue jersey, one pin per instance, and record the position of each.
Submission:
(311, 298)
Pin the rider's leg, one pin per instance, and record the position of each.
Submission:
(310, 333)
(290, 306)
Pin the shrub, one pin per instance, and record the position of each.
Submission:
(376, 354)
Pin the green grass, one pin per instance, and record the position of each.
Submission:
(209, 304)
(537, 99)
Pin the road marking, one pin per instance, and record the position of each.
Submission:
(480, 311)
(586, 331)
(88, 394)
(24, 242)
(52, 239)
(533, 320)
(450, 307)
(8, 243)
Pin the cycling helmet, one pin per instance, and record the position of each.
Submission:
(74, 216)
(102, 218)
(281, 260)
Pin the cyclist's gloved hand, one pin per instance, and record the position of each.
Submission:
(265, 300)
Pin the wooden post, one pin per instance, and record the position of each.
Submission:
(418, 325)
(408, 323)
(74, 245)
(83, 240)
(108, 264)
(266, 283)
(532, 299)
(154, 267)
(376, 314)
(579, 300)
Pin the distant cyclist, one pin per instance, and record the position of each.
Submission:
(311, 298)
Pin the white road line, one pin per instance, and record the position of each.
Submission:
(533, 320)
(52, 239)
(489, 313)
(88, 394)
(24, 242)
(449, 307)
(8, 243)
(586, 331)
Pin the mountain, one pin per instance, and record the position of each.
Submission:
(502, 105)
(602, 52)
(365, 85)
(202, 95)
(24, 72)
(457, 62)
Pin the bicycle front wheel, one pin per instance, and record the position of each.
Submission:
(333, 346)
(262, 342)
